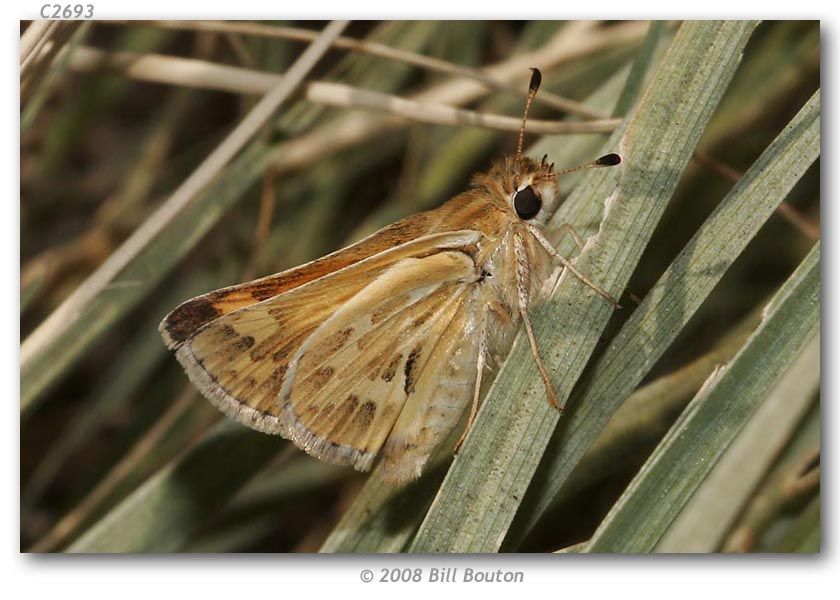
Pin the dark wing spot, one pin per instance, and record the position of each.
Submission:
(269, 389)
(340, 338)
(363, 342)
(387, 308)
(420, 321)
(244, 343)
(388, 410)
(322, 376)
(348, 407)
(259, 353)
(391, 369)
(226, 333)
(410, 370)
(182, 322)
(320, 412)
(365, 415)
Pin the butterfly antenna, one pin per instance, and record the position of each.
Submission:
(608, 160)
(536, 79)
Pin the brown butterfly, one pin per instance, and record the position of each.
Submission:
(378, 348)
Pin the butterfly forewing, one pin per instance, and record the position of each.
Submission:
(373, 254)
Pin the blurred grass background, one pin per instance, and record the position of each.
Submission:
(108, 415)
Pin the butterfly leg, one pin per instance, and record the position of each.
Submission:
(476, 397)
(538, 235)
(567, 228)
(523, 276)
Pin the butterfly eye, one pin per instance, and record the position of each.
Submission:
(527, 203)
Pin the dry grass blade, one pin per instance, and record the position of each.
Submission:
(198, 74)
(43, 52)
(40, 44)
(387, 52)
(33, 41)
(297, 153)
(401, 120)
(37, 363)
(186, 490)
(333, 94)
(565, 47)
(123, 211)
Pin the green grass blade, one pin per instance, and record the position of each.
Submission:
(655, 324)
(487, 481)
(793, 481)
(713, 508)
(638, 74)
(643, 419)
(714, 418)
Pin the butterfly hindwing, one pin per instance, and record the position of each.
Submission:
(349, 382)
(445, 377)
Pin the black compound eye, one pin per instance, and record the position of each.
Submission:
(527, 203)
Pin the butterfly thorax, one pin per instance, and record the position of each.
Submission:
(489, 207)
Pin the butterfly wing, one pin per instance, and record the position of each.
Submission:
(377, 251)
(446, 371)
(241, 359)
(380, 353)
(440, 228)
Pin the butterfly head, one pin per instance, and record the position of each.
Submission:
(526, 186)
(530, 187)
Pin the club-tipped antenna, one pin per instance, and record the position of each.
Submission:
(608, 160)
(533, 86)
